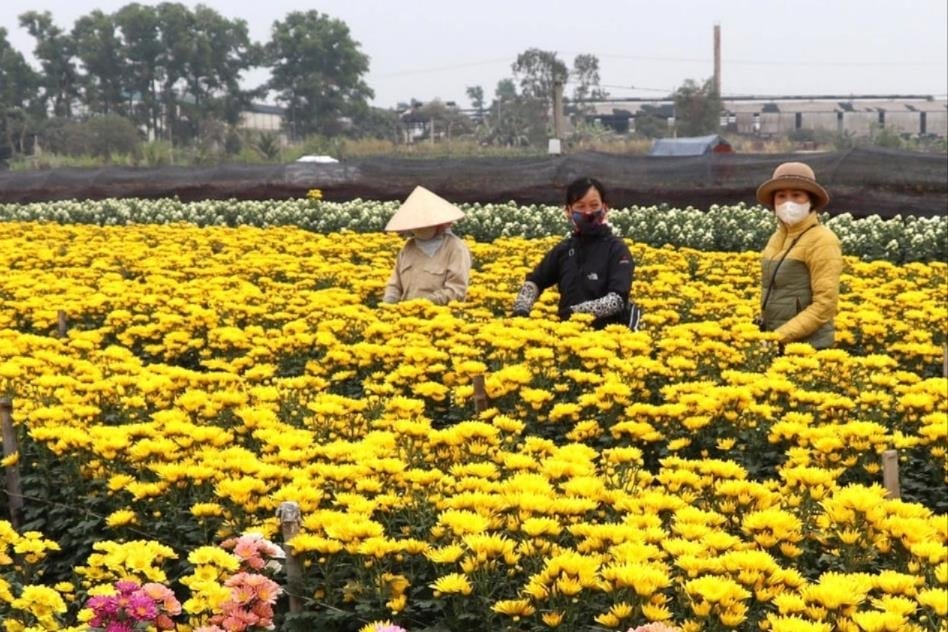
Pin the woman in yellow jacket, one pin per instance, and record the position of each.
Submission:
(802, 262)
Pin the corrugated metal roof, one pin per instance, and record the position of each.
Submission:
(890, 106)
(930, 106)
(810, 106)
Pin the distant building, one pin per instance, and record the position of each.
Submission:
(856, 115)
(260, 117)
(430, 120)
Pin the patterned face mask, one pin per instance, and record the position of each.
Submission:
(586, 221)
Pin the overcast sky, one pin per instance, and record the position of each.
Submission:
(426, 49)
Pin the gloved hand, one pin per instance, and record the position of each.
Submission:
(525, 298)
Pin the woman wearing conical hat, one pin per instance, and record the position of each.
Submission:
(801, 263)
(434, 263)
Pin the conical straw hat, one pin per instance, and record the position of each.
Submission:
(422, 209)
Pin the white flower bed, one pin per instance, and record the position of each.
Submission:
(721, 228)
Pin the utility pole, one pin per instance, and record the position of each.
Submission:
(717, 59)
(555, 142)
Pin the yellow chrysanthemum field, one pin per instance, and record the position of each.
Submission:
(684, 474)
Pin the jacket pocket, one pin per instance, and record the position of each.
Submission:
(429, 278)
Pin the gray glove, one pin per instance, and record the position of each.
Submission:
(525, 299)
(608, 305)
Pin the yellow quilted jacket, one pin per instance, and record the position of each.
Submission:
(802, 302)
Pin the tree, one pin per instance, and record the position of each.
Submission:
(55, 50)
(110, 134)
(140, 29)
(317, 70)
(99, 49)
(19, 99)
(649, 123)
(476, 95)
(586, 74)
(447, 120)
(177, 36)
(538, 70)
(506, 90)
(697, 108)
(376, 123)
(516, 120)
(221, 52)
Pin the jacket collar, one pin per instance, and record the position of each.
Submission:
(599, 232)
(797, 229)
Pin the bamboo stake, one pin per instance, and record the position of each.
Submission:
(890, 473)
(14, 493)
(480, 394)
(289, 515)
(61, 323)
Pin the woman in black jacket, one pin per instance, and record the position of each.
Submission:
(592, 267)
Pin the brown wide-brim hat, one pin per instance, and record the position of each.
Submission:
(423, 209)
(793, 175)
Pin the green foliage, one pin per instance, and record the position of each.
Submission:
(98, 47)
(697, 108)
(804, 135)
(586, 74)
(55, 50)
(99, 136)
(650, 124)
(267, 145)
(18, 95)
(376, 123)
(520, 121)
(448, 121)
(476, 95)
(885, 137)
(157, 153)
(317, 71)
(52, 485)
(538, 70)
(110, 134)
(585, 134)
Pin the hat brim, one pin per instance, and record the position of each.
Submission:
(766, 191)
(423, 209)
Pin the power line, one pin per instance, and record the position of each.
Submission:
(650, 58)
(422, 71)
(663, 90)
(766, 62)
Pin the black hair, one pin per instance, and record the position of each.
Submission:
(580, 187)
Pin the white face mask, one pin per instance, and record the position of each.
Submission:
(793, 213)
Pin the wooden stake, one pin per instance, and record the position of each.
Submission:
(944, 359)
(890, 473)
(61, 323)
(14, 493)
(480, 394)
(289, 515)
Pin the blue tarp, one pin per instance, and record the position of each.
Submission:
(689, 146)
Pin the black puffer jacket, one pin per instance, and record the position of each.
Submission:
(586, 267)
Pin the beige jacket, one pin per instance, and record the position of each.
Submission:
(440, 278)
